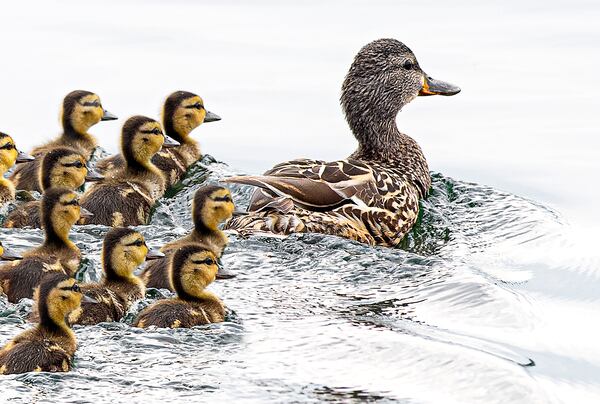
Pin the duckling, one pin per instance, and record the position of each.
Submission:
(59, 210)
(61, 167)
(193, 268)
(123, 251)
(126, 196)
(212, 205)
(182, 113)
(8, 255)
(373, 195)
(9, 155)
(80, 111)
(50, 346)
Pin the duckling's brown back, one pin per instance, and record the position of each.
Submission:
(32, 352)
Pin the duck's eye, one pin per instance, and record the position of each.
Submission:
(408, 65)
(73, 202)
(157, 131)
(206, 261)
(146, 139)
(76, 288)
(225, 198)
(195, 106)
(138, 243)
(8, 146)
(91, 104)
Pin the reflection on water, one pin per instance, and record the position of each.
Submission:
(316, 318)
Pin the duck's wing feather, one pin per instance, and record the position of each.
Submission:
(317, 185)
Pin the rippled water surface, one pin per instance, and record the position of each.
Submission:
(457, 314)
(492, 298)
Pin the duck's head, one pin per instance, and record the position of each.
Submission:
(183, 112)
(65, 167)
(212, 205)
(193, 268)
(57, 296)
(123, 251)
(81, 110)
(142, 138)
(385, 76)
(8, 255)
(60, 210)
(9, 155)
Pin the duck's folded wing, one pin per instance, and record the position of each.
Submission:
(316, 185)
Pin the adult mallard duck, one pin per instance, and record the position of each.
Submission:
(373, 195)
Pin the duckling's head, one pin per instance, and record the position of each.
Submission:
(193, 268)
(142, 138)
(183, 112)
(9, 155)
(123, 251)
(60, 210)
(81, 110)
(212, 205)
(385, 76)
(57, 296)
(65, 167)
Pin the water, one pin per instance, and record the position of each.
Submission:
(492, 298)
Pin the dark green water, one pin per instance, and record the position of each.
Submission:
(457, 315)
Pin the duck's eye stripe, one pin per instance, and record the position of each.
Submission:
(137, 243)
(73, 202)
(195, 106)
(8, 146)
(152, 132)
(91, 104)
(77, 164)
(222, 199)
(207, 261)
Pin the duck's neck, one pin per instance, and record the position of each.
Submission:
(57, 235)
(74, 136)
(54, 322)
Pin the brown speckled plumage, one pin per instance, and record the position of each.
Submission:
(372, 196)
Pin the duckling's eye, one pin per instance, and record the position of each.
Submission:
(408, 65)
(73, 202)
(91, 104)
(76, 288)
(8, 146)
(207, 261)
(138, 243)
(77, 164)
(145, 139)
(195, 106)
(225, 198)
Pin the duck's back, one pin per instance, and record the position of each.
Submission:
(25, 215)
(19, 278)
(26, 175)
(109, 306)
(32, 351)
(175, 313)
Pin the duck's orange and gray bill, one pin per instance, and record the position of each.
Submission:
(108, 116)
(93, 176)
(432, 86)
(211, 117)
(170, 142)
(85, 214)
(8, 255)
(24, 157)
(154, 255)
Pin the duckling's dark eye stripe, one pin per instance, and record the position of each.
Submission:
(222, 199)
(195, 106)
(73, 202)
(8, 146)
(74, 288)
(137, 243)
(207, 261)
(91, 104)
(152, 132)
(77, 164)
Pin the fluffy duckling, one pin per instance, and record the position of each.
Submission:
(182, 113)
(126, 196)
(9, 155)
(193, 268)
(8, 255)
(212, 205)
(123, 251)
(50, 346)
(60, 210)
(80, 111)
(61, 167)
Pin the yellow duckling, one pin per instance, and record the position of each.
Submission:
(126, 196)
(193, 268)
(8, 255)
(61, 167)
(50, 346)
(9, 155)
(212, 206)
(60, 210)
(81, 110)
(123, 251)
(182, 113)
